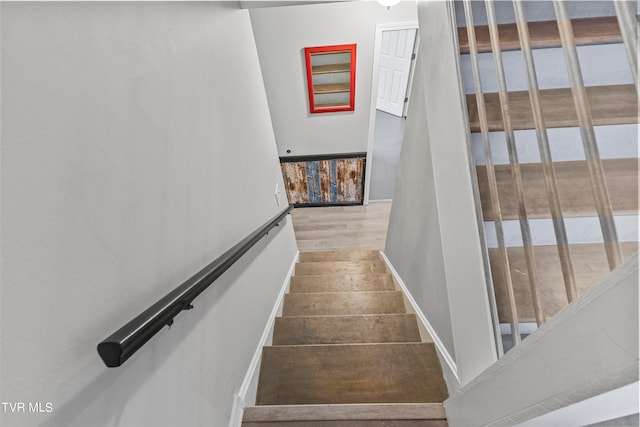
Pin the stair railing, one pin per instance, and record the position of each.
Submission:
(516, 259)
(124, 342)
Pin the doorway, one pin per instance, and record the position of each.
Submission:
(394, 69)
(394, 58)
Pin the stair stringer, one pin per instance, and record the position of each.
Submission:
(427, 332)
(250, 383)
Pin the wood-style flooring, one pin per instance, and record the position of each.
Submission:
(334, 347)
(342, 227)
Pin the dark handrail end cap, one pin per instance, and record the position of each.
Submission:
(111, 353)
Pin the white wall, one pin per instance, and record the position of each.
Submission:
(136, 147)
(281, 35)
(433, 239)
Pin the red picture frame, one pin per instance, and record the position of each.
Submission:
(331, 78)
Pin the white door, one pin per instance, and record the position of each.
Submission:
(395, 67)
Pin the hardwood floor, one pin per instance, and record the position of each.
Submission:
(342, 227)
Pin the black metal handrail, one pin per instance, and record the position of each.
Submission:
(123, 343)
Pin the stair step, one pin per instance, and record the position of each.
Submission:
(315, 268)
(354, 373)
(350, 423)
(377, 328)
(544, 34)
(343, 283)
(339, 256)
(398, 414)
(343, 303)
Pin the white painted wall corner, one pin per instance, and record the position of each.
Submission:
(451, 363)
(240, 398)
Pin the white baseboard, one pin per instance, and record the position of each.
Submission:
(240, 397)
(451, 363)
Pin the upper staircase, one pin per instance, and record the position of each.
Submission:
(345, 352)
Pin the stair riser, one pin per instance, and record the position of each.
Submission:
(346, 329)
(348, 412)
(353, 423)
(339, 256)
(342, 303)
(339, 268)
(366, 373)
(346, 353)
(345, 283)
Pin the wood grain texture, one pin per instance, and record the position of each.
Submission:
(329, 268)
(332, 88)
(331, 104)
(610, 105)
(342, 283)
(356, 373)
(339, 256)
(361, 412)
(350, 179)
(347, 359)
(351, 329)
(295, 178)
(351, 423)
(544, 34)
(324, 181)
(574, 187)
(589, 260)
(331, 68)
(342, 227)
(343, 303)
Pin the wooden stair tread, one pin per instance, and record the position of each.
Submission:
(610, 105)
(339, 256)
(589, 264)
(292, 330)
(354, 373)
(350, 423)
(574, 188)
(343, 303)
(544, 34)
(361, 412)
(341, 283)
(329, 268)
(346, 354)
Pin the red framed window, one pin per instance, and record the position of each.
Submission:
(331, 78)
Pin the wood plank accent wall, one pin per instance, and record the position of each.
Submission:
(610, 105)
(324, 180)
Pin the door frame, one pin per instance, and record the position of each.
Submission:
(377, 48)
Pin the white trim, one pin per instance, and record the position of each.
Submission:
(239, 398)
(412, 72)
(439, 345)
(610, 405)
(377, 48)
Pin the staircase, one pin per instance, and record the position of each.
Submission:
(346, 352)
